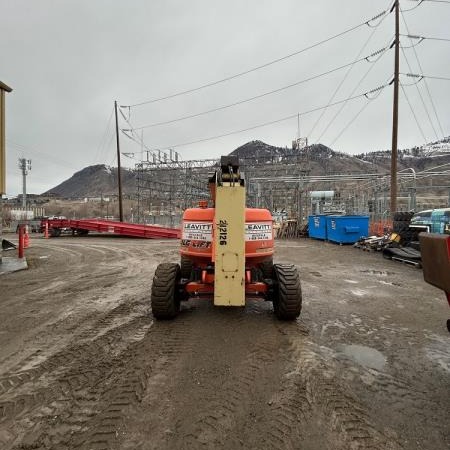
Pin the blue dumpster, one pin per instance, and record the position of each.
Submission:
(317, 226)
(347, 229)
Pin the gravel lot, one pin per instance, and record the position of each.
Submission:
(83, 365)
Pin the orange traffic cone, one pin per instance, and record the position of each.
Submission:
(46, 230)
(26, 238)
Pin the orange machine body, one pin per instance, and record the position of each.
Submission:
(197, 244)
(197, 231)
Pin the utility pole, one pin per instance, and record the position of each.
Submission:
(119, 174)
(395, 111)
(24, 166)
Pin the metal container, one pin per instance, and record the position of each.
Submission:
(317, 226)
(347, 229)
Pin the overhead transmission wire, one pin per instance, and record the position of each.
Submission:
(109, 142)
(135, 137)
(385, 49)
(351, 121)
(413, 8)
(283, 119)
(264, 94)
(261, 66)
(333, 96)
(423, 38)
(104, 137)
(54, 159)
(360, 111)
(422, 1)
(420, 96)
(425, 82)
(427, 76)
(414, 114)
(139, 139)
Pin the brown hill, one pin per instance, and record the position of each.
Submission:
(94, 181)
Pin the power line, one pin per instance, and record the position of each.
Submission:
(421, 97)
(356, 116)
(267, 64)
(434, 1)
(283, 119)
(350, 123)
(423, 38)
(346, 76)
(139, 139)
(415, 75)
(104, 137)
(419, 79)
(264, 94)
(425, 82)
(108, 145)
(413, 8)
(436, 78)
(353, 91)
(54, 159)
(414, 114)
(437, 39)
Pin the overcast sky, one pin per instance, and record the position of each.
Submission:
(68, 60)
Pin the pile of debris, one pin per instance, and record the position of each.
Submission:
(375, 243)
(400, 245)
(290, 229)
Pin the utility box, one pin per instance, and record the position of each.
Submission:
(317, 226)
(347, 229)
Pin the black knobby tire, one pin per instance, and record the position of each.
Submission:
(287, 301)
(186, 267)
(266, 268)
(165, 300)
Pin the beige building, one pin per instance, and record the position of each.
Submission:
(3, 90)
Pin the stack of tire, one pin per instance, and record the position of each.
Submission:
(402, 219)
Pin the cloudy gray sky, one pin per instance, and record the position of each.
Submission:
(68, 60)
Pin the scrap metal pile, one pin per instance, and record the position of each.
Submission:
(402, 244)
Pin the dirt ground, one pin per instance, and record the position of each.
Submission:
(84, 366)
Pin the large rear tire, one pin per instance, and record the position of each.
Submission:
(186, 267)
(266, 268)
(287, 300)
(164, 299)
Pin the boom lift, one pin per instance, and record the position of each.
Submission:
(227, 254)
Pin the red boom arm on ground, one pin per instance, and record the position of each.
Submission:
(122, 228)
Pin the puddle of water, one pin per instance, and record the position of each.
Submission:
(366, 356)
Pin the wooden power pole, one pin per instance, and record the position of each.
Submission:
(395, 111)
(119, 172)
